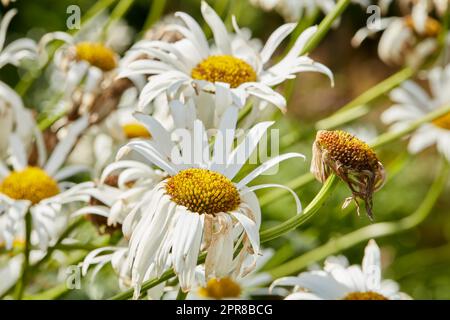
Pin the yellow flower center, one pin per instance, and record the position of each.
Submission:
(443, 122)
(203, 191)
(32, 184)
(135, 130)
(432, 26)
(369, 295)
(220, 288)
(226, 69)
(97, 55)
(347, 149)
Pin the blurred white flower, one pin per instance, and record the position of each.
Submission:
(198, 207)
(231, 71)
(403, 41)
(412, 102)
(84, 68)
(241, 287)
(38, 188)
(338, 281)
(294, 10)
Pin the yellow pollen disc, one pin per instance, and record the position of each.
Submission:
(203, 191)
(347, 149)
(369, 295)
(226, 69)
(432, 26)
(220, 288)
(135, 130)
(32, 184)
(97, 55)
(443, 122)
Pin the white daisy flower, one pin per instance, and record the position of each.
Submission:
(101, 141)
(117, 257)
(413, 102)
(192, 68)
(198, 207)
(39, 189)
(294, 10)
(338, 281)
(84, 68)
(405, 40)
(241, 287)
(11, 106)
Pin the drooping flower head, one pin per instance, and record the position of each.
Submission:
(350, 159)
(199, 206)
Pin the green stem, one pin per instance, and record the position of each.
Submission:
(377, 230)
(20, 286)
(418, 261)
(357, 107)
(156, 11)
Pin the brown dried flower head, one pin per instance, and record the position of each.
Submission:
(350, 159)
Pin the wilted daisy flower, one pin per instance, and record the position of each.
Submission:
(338, 281)
(350, 159)
(197, 207)
(191, 67)
(36, 188)
(412, 102)
(405, 40)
